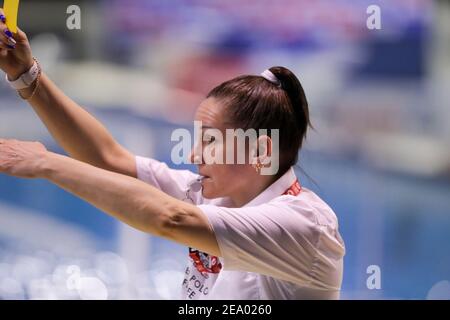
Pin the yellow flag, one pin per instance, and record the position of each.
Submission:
(11, 8)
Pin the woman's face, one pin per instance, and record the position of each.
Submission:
(221, 180)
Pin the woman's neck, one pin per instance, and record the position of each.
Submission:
(247, 193)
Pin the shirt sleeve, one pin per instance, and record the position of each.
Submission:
(171, 181)
(280, 242)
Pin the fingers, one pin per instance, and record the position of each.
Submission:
(20, 35)
(13, 141)
(6, 36)
(5, 141)
(7, 40)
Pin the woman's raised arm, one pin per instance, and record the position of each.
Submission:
(81, 135)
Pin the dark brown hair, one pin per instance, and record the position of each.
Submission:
(255, 102)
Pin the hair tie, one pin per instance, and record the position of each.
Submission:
(268, 75)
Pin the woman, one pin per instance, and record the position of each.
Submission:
(256, 236)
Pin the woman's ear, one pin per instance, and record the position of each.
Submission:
(262, 150)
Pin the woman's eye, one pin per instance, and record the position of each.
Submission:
(210, 139)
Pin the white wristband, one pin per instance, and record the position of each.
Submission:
(26, 79)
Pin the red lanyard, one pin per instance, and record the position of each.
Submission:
(206, 263)
(294, 189)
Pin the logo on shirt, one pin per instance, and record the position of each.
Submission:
(204, 262)
(201, 274)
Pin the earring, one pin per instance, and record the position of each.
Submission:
(258, 167)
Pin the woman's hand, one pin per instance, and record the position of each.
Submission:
(15, 51)
(22, 159)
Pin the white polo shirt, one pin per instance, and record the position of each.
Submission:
(275, 247)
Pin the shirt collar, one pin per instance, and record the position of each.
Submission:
(276, 189)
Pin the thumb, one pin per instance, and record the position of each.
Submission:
(20, 36)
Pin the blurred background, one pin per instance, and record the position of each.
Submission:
(379, 156)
